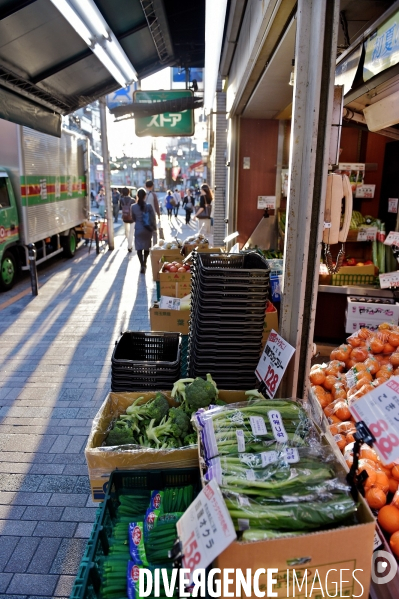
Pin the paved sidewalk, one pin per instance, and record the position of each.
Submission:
(54, 375)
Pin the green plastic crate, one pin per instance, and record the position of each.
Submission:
(353, 279)
(122, 482)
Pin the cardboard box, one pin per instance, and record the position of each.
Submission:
(368, 269)
(354, 324)
(175, 284)
(346, 548)
(200, 247)
(270, 322)
(156, 257)
(380, 310)
(171, 321)
(101, 461)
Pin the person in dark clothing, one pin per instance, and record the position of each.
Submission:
(188, 205)
(116, 198)
(142, 235)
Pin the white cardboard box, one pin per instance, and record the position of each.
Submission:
(375, 310)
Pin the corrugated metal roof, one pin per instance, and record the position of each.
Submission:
(46, 62)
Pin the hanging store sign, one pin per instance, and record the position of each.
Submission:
(273, 362)
(379, 410)
(390, 279)
(393, 205)
(365, 191)
(392, 238)
(167, 124)
(382, 48)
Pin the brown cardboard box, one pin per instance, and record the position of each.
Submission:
(171, 321)
(346, 548)
(101, 461)
(156, 256)
(175, 284)
(189, 247)
(368, 269)
(271, 322)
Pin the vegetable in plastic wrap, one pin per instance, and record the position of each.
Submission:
(252, 426)
(248, 513)
(286, 475)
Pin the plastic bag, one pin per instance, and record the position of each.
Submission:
(248, 513)
(279, 476)
(252, 426)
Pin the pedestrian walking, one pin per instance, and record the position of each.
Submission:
(152, 200)
(203, 213)
(143, 216)
(188, 205)
(177, 198)
(169, 204)
(101, 202)
(126, 202)
(116, 199)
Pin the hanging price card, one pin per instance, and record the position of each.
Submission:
(392, 238)
(205, 529)
(390, 279)
(379, 410)
(273, 362)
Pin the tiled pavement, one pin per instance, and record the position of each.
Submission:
(55, 352)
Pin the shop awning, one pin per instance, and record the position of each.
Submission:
(196, 166)
(47, 70)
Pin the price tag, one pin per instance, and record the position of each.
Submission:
(266, 202)
(205, 529)
(390, 279)
(393, 205)
(273, 362)
(365, 191)
(379, 409)
(367, 234)
(169, 303)
(392, 238)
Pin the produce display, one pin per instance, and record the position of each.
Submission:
(143, 533)
(172, 244)
(276, 477)
(175, 267)
(368, 359)
(195, 240)
(157, 425)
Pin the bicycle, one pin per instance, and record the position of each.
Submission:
(99, 230)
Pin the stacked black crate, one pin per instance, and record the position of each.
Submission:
(229, 293)
(145, 361)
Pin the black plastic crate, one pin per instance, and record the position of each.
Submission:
(233, 266)
(145, 353)
(128, 387)
(88, 582)
(213, 284)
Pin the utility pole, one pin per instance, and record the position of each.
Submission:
(107, 174)
(152, 160)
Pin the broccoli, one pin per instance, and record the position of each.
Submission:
(120, 435)
(176, 425)
(220, 402)
(154, 409)
(190, 439)
(198, 393)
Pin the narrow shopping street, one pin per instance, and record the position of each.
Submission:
(55, 373)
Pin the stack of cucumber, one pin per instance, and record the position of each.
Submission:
(276, 476)
(143, 534)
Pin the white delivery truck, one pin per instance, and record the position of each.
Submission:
(43, 196)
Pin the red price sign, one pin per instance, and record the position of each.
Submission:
(273, 362)
(205, 529)
(379, 409)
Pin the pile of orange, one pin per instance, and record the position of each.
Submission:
(368, 359)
